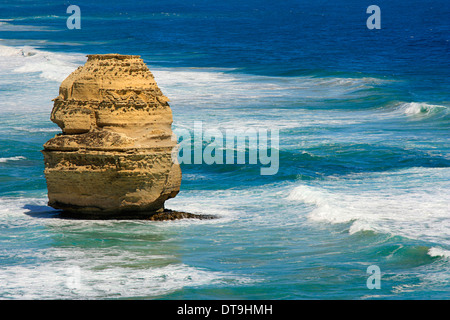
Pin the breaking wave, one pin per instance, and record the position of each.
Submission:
(380, 203)
(420, 108)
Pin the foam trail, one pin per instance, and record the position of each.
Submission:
(16, 158)
(30, 78)
(49, 65)
(219, 85)
(37, 130)
(257, 101)
(72, 281)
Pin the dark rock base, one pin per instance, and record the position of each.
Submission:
(157, 216)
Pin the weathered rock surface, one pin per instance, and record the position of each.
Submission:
(115, 152)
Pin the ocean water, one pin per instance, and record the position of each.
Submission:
(364, 155)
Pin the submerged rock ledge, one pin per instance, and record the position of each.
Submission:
(165, 215)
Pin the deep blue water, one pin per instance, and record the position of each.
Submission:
(364, 155)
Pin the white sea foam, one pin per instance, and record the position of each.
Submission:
(202, 202)
(93, 272)
(49, 65)
(222, 86)
(413, 203)
(30, 77)
(70, 279)
(16, 158)
(256, 101)
(33, 130)
(439, 252)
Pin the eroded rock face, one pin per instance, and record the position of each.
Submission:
(115, 152)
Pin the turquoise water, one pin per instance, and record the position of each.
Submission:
(364, 154)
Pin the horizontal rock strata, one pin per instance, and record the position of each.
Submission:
(115, 151)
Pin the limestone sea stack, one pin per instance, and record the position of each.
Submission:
(114, 155)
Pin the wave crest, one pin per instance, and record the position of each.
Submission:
(439, 252)
(420, 108)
